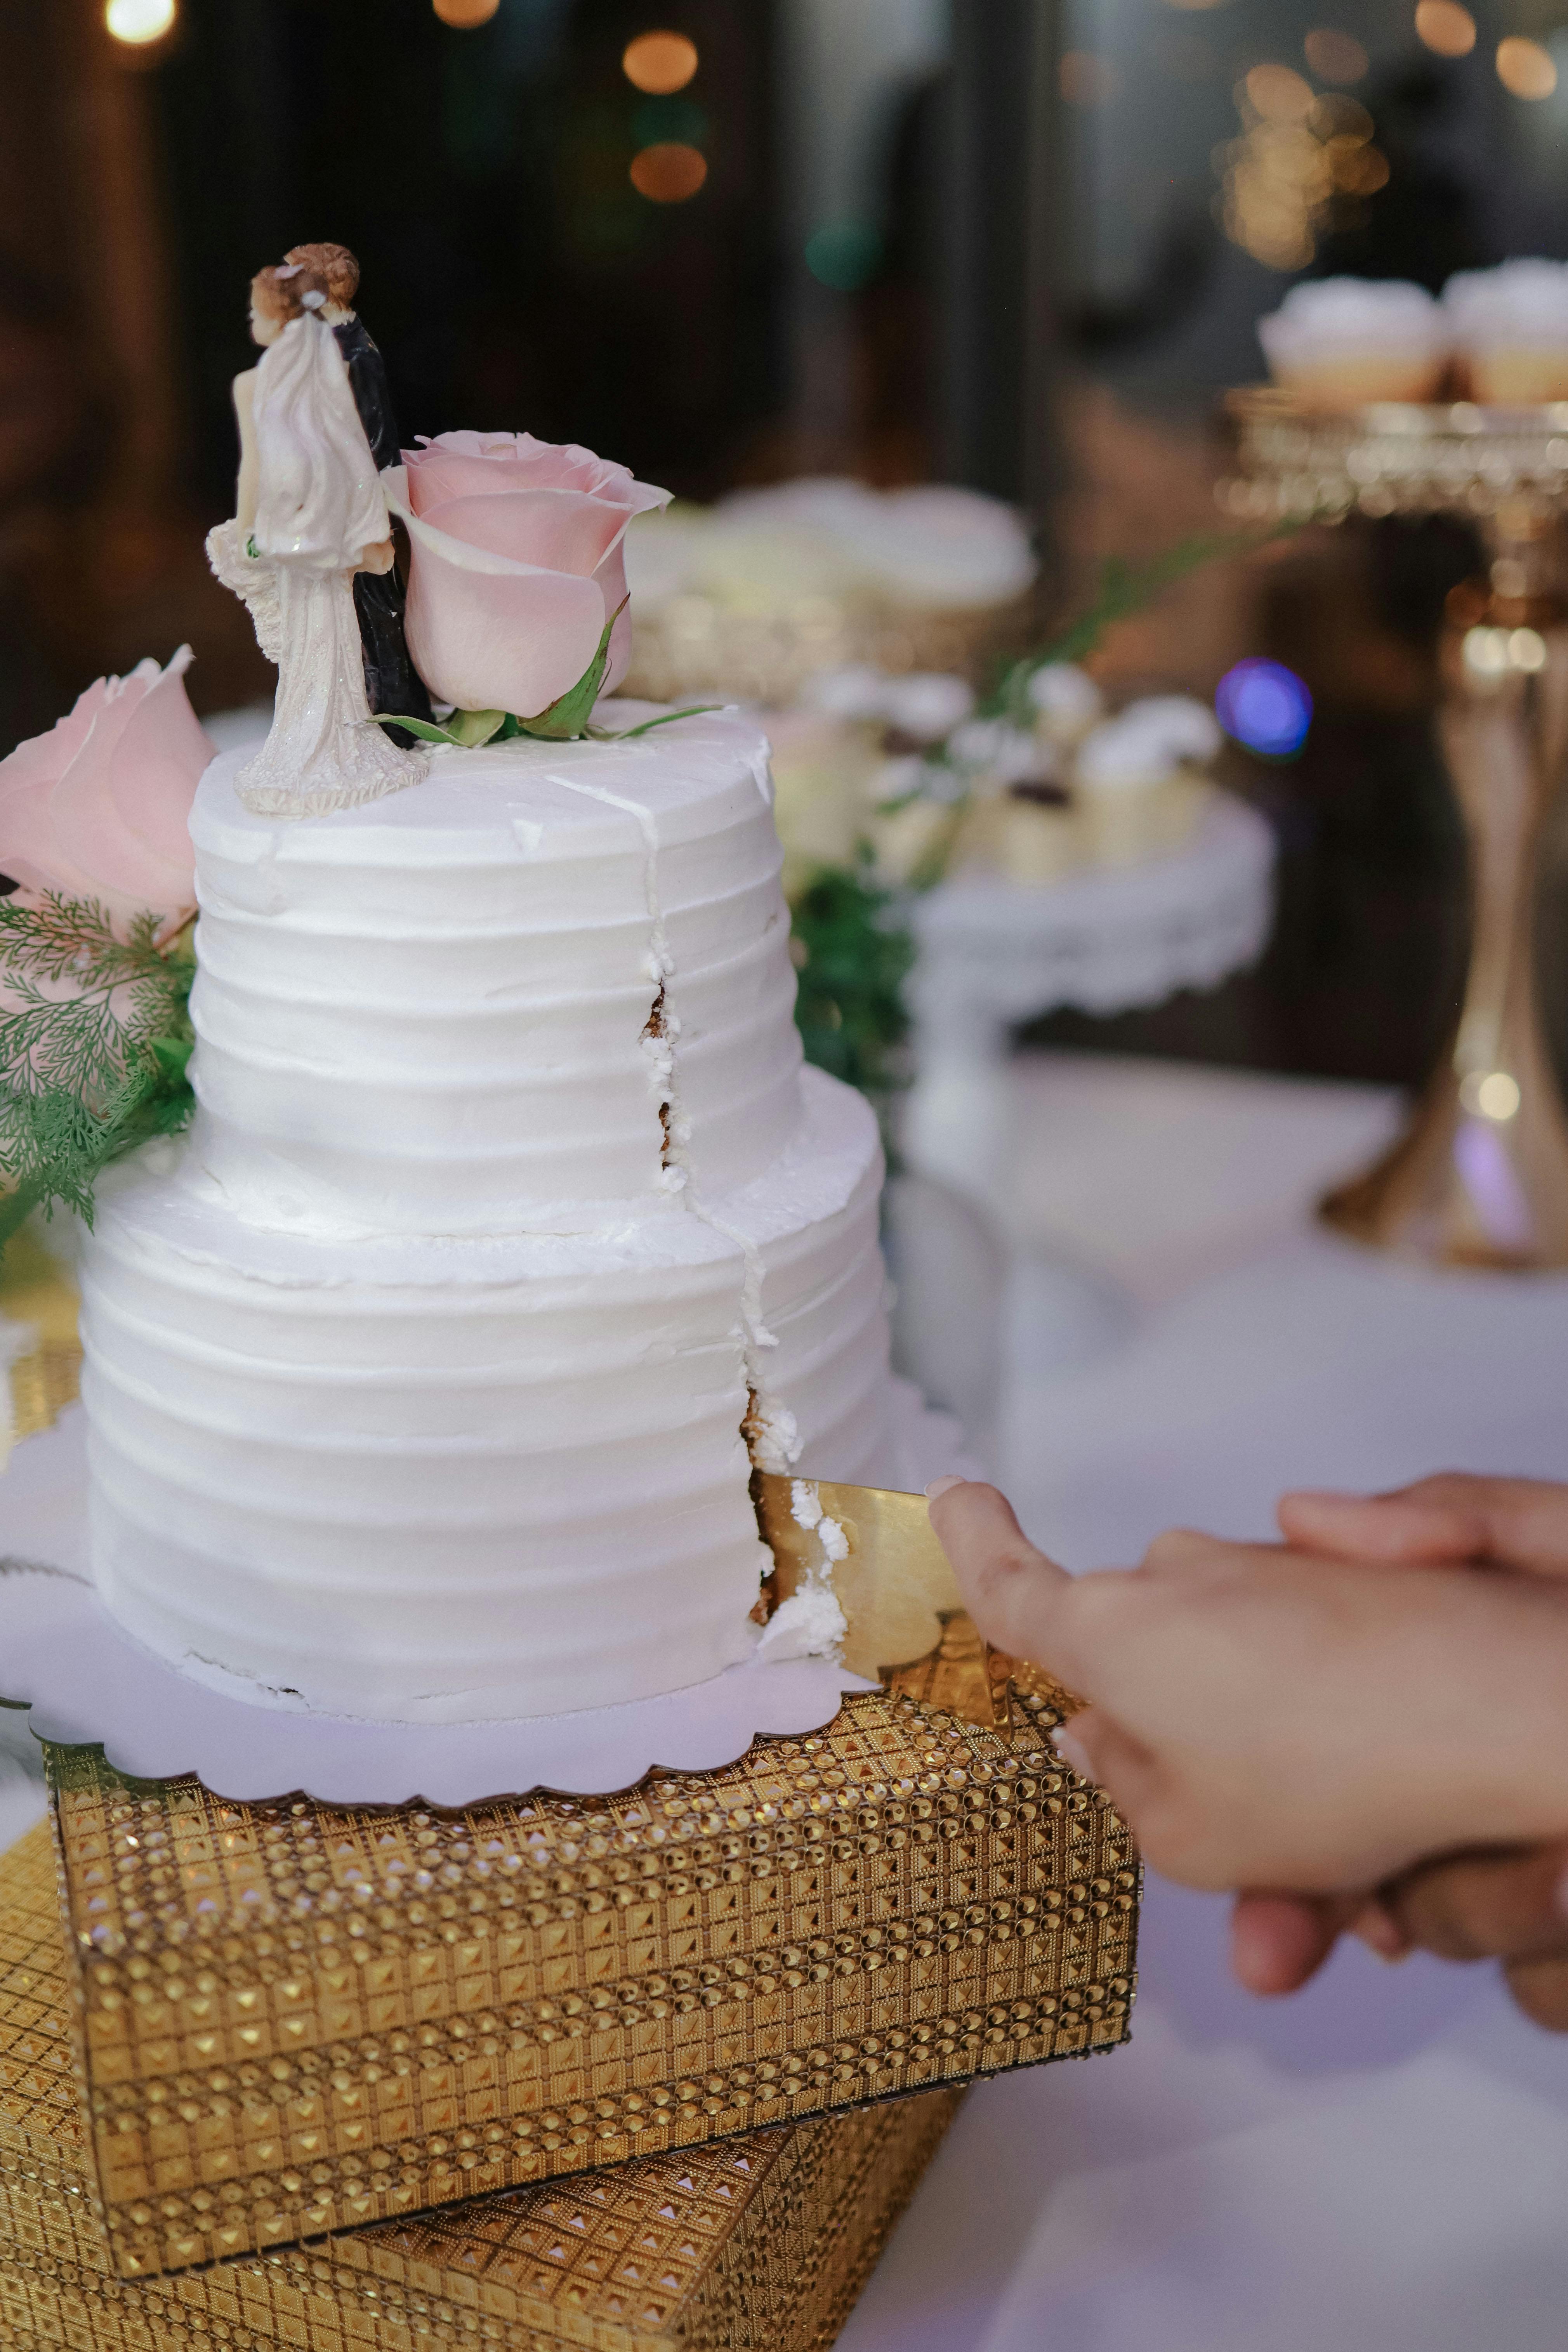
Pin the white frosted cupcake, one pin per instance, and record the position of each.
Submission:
(1510, 328)
(1340, 343)
(1141, 786)
(1067, 703)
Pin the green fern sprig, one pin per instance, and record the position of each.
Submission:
(92, 1050)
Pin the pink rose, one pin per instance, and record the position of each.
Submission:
(100, 807)
(518, 563)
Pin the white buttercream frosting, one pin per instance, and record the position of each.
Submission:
(1147, 741)
(1325, 319)
(423, 1377)
(427, 1016)
(1521, 305)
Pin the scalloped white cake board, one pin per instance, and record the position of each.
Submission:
(84, 1680)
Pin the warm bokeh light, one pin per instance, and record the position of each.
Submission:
(667, 173)
(1278, 94)
(1359, 170)
(137, 21)
(1334, 56)
(1296, 153)
(659, 63)
(1086, 80)
(1524, 69)
(464, 14)
(1334, 116)
(1446, 28)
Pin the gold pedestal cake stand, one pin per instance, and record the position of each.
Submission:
(1481, 1175)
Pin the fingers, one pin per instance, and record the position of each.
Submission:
(1375, 1927)
(1518, 1523)
(1539, 1987)
(1098, 1749)
(1400, 1529)
(1501, 1906)
(1013, 1593)
(1277, 1942)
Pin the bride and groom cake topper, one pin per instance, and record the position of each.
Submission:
(515, 612)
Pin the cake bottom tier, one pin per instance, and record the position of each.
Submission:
(760, 2244)
(443, 1480)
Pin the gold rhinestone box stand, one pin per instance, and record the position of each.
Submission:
(291, 2020)
(757, 2244)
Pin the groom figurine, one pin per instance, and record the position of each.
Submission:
(391, 681)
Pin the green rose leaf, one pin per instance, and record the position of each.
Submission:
(568, 716)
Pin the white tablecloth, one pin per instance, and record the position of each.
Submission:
(1380, 2164)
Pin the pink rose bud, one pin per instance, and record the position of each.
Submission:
(100, 807)
(518, 562)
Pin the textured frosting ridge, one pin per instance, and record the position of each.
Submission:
(417, 1389)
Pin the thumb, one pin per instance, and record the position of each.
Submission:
(1015, 1594)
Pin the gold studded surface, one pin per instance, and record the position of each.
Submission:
(295, 2019)
(759, 2244)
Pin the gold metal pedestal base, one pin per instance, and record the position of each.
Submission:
(1480, 1177)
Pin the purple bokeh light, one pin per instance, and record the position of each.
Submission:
(1264, 706)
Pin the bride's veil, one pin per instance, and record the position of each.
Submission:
(319, 500)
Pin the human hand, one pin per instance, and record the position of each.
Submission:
(1511, 1904)
(1266, 1719)
(1508, 1905)
(1516, 1523)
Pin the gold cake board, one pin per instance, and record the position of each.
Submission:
(762, 2242)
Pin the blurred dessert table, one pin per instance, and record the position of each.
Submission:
(993, 953)
(1378, 2164)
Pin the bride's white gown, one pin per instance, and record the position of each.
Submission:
(319, 507)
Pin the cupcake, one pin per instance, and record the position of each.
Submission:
(1021, 820)
(1509, 327)
(1340, 343)
(1067, 704)
(1140, 785)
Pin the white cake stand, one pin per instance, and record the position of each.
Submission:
(994, 954)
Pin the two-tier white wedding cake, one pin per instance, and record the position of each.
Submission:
(510, 1233)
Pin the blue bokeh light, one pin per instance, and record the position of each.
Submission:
(1264, 706)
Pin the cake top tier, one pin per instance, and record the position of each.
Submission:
(544, 989)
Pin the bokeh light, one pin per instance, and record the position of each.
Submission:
(464, 14)
(668, 173)
(844, 254)
(1524, 69)
(1335, 55)
(661, 63)
(1446, 28)
(1086, 80)
(1264, 706)
(1278, 94)
(138, 22)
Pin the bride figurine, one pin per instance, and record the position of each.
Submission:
(310, 516)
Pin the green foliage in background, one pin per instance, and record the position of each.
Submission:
(853, 955)
(94, 1040)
